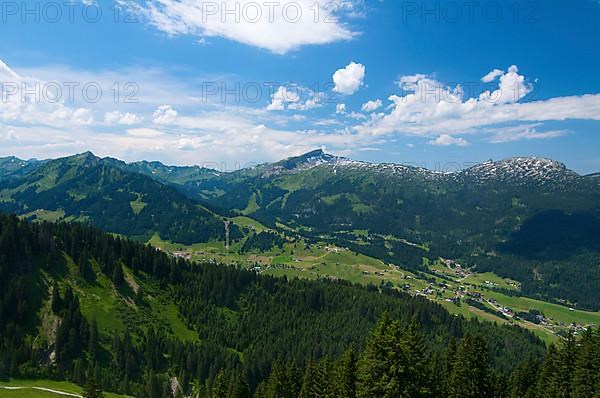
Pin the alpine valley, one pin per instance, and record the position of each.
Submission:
(154, 280)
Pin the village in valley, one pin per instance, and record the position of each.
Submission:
(459, 289)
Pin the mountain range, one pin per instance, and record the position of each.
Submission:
(530, 219)
(104, 192)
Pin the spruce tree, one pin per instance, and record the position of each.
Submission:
(417, 363)
(567, 356)
(84, 264)
(57, 303)
(524, 378)
(373, 366)
(471, 373)
(586, 376)
(117, 275)
(308, 380)
(279, 383)
(394, 363)
(448, 366)
(91, 389)
(237, 388)
(3, 369)
(548, 385)
(294, 377)
(219, 387)
(322, 387)
(93, 341)
(346, 369)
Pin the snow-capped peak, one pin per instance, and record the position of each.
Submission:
(520, 169)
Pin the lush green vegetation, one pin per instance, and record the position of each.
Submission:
(50, 275)
(105, 193)
(542, 233)
(396, 362)
(40, 388)
(299, 259)
(328, 247)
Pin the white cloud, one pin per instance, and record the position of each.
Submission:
(371, 106)
(61, 115)
(340, 109)
(7, 74)
(292, 97)
(82, 116)
(28, 100)
(411, 79)
(116, 117)
(276, 26)
(144, 133)
(447, 140)
(164, 114)
(522, 132)
(176, 126)
(281, 97)
(9, 135)
(357, 116)
(493, 75)
(313, 101)
(431, 108)
(512, 88)
(349, 79)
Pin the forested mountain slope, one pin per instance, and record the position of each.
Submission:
(101, 191)
(528, 219)
(76, 302)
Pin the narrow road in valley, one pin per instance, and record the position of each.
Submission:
(68, 394)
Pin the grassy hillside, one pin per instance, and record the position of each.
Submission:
(439, 282)
(102, 192)
(76, 302)
(527, 219)
(23, 388)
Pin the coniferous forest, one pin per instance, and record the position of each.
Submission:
(257, 336)
(299, 199)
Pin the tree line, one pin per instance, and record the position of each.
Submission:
(257, 335)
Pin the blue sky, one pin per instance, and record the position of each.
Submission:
(433, 83)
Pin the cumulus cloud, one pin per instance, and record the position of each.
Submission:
(447, 140)
(357, 116)
(276, 26)
(512, 88)
(174, 126)
(349, 79)
(28, 100)
(117, 117)
(82, 116)
(372, 106)
(281, 97)
(430, 108)
(294, 97)
(62, 115)
(409, 80)
(493, 75)
(164, 114)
